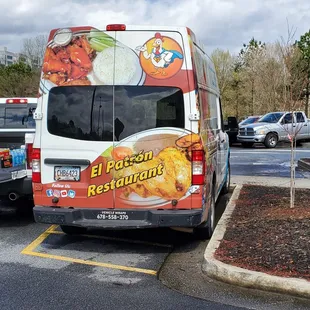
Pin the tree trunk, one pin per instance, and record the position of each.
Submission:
(307, 100)
(252, 98)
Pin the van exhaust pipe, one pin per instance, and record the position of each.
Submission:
(13, 196)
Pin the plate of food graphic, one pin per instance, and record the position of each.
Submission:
(86, 58)
(163, 169)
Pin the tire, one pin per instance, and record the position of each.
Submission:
(73, 230)
(226, 186)
(247, 144)
(205, 231)
(271, 140)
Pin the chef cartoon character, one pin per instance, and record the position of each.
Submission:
(162, 58)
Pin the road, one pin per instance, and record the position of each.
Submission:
(42, 268)
(260, 161)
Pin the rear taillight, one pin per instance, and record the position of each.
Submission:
(29, 149)
(17, 100)
(36, 166)
(198, 167)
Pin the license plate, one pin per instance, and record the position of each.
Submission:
(67, 173)
(113, 215)
(51, 218)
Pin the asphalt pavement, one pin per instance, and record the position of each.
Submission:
(103, 270)
(259, 161)
(157, 268)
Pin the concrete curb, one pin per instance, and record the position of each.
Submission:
(243, 277)
(303, 164)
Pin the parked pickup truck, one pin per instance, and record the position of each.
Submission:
(17, 130)
(275, 127)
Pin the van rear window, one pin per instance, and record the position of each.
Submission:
(90, 113)
(18, 116)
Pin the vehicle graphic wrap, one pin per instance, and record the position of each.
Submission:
(144, 168)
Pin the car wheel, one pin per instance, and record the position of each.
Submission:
(247, 144)
(226, 186)
(206, 230)
(271, 140)
(73, 230)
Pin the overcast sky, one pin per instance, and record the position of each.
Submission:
(225, 24)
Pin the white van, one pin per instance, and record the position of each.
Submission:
(129, 131)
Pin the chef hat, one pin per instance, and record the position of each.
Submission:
(158, 36)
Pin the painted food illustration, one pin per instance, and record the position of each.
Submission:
(89, 58)
(169, 167)
(69, 65)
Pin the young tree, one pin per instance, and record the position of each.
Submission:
(294, 82)
(250, 60)
(34, 49)
(224, 62)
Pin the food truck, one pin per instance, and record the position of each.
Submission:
(129, 131)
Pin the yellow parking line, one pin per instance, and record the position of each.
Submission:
(37, 241)
(56, 232)
(29, 250)
(91, 263)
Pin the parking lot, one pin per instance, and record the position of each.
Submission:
(42, 267)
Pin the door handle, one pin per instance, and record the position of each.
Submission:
(65, 161)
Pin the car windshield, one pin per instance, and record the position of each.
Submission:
(271, 118)
(250, 120)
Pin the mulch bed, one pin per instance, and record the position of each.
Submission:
(265, 234)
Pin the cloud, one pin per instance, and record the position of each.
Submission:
(225, 24)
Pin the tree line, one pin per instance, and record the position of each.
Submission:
(22, 79)
(263, 77)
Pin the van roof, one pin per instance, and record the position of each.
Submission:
(136, 27)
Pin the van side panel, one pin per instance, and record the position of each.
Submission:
(206, 89)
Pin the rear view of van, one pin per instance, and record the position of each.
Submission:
(118, 142)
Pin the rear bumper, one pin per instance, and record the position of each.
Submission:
(22, 187)
(117, 218)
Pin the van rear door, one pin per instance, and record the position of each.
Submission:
(123, 141)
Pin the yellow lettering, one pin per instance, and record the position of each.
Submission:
(152, 173)
(112, 184)
(110, 165)
(120, 183)
(106, 187)
(94, 172)
(128, 179)
(135, 177)
(126, 162)
(148, 156)
(119, 165)
(160, 169)
(91, 191)
(100, 169)
(143, 175)
(99, 189)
